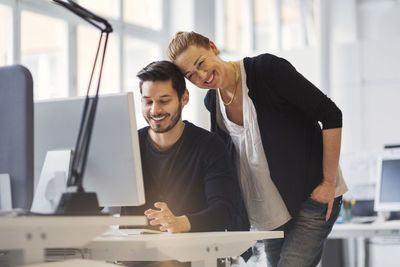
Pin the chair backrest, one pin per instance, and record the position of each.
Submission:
(16, 132)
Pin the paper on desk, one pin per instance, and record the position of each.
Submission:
(112, 231)
(125, 232)
(140, 231)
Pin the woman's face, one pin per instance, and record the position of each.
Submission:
(202, 66)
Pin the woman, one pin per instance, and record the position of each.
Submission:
(287, 165)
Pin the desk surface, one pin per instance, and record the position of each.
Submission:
(167, 239)
(348, 230)
(57, 231)
(182, 247)
(60, 221)
(34, 234)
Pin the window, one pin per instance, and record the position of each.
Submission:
(292, 35)
(311, 13)
(265, 25)
(44, 53)
(233, 24)
(298, 23)
(88, 39)
(144, 13)
(59, 48)
(5, 36)
(138, 54)
(108, 8)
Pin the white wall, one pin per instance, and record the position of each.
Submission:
(381, 87)
(366, 78)
(365, 75)
(364, 71)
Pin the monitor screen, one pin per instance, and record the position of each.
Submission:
(113, 168)
(388, 184)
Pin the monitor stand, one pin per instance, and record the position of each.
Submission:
(52, 181)
(78, 203)
(52, 195)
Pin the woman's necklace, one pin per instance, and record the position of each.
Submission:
(236, 85)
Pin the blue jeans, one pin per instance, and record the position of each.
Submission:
(304, 236)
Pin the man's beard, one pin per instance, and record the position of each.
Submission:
(174, 120)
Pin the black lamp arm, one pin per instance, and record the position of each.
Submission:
(87, 15)
(71, 202)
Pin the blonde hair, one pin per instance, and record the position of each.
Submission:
(182, 40)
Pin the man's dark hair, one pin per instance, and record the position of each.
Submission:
(163, 71)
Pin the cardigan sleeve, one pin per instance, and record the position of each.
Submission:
(210, 104)
(283, 78)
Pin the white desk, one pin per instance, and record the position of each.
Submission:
(33, 234)
(357, 236)
(202, 249)
(367, 230)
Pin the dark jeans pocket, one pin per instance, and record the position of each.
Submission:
(313, 206)
(317, 203)
(337, 205)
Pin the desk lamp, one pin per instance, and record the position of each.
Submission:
(76, 201)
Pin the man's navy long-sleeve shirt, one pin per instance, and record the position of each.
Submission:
(194, 177)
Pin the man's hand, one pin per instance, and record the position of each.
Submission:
(168, 221)
(325, 193)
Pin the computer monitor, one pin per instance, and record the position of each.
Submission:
(387, 197)
(113, 169)
(16, 137)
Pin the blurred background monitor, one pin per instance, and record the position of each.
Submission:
(113, 169)
(387, 197)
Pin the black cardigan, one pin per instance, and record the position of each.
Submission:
(288, 108)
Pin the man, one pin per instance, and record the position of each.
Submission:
(189, 181)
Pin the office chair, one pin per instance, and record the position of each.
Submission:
(16, 132)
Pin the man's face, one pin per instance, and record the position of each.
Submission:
(161, 107)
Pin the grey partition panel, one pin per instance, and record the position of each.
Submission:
(16, 132)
